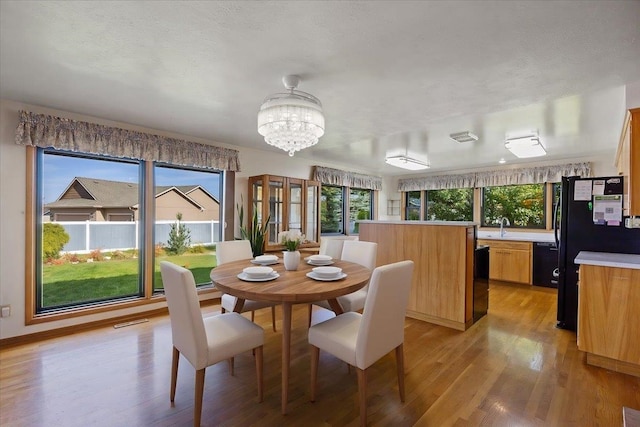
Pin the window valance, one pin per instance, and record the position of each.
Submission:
(46, 131)
(535, 175)
(346, 179)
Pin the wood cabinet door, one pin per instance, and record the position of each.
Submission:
(509, 265)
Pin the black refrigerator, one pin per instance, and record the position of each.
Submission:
(580, 229)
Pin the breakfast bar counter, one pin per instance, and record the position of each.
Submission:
(443, 253)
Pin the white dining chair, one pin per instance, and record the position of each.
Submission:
(360, 252)
(236, 250)
(362, 339)
(204, 341)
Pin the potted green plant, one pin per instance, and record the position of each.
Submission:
(255, 233)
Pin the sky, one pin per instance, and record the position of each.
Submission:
(59, 171)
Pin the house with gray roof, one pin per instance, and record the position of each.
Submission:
(92, 199)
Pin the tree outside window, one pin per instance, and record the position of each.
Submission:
(450, 205)
(522, 205)
(331, 208)
(359, 207)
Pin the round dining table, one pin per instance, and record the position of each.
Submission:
(291, 287)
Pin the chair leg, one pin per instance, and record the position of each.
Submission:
(400, 367)
(222, 310)
(310, 314)
(253, 315)
(362, 392)
(174, 373)
(315, 356)
(197, 402)
(231, 366)
(259, 374)
(273, 317)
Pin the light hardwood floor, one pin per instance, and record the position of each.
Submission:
(512, 368)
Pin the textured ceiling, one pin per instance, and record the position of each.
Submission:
(394, 77)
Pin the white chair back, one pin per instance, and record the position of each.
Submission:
(360, 252)
(187, 326)
(382, 325)
(233, 250)
(325, 240)
(333, 248)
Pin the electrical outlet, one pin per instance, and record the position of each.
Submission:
(5, 311)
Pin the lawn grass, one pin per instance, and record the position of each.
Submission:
(84, 282)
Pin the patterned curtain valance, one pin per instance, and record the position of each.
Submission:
(45, 131)
(346, 179)
(536, 175)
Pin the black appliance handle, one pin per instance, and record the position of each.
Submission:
(556, 207)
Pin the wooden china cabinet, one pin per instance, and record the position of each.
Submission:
(291, 203)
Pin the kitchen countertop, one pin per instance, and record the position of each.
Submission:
(400, 222)
(517, 236)
(606, 259)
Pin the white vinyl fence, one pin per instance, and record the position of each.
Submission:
(86, 236)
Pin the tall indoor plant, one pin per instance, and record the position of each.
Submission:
(255, 233)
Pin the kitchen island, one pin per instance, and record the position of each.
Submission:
(609, 310)
(443, 253)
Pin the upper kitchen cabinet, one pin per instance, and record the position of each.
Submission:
(290, 204)
(628, 161)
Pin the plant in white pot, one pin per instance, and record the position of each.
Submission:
(291, 240)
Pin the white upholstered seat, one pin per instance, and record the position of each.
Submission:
(362, 339)
(360, 252)
(236, 250)
(204, 341)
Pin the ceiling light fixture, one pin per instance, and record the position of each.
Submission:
(525, 146)
(405, 162)
(463, 137)
(502, 161)
(291, 121)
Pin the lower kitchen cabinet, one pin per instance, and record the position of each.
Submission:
(509, 261)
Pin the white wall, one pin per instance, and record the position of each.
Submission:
(12, 208)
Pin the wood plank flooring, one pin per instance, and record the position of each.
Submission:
(512, 368)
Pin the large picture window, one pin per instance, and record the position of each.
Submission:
(360, 207)
(90, 241)
(521, 205)
(413, 201)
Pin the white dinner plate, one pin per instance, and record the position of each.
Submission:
(253, 261)
(311, 275)
(319, 264)
(246, 278)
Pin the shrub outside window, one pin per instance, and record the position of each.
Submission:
(360, 205)
(331, 210)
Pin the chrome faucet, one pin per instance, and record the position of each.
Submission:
(502, 230)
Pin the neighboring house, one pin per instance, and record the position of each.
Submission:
(91, 199)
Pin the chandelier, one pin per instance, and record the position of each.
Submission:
(291, 121)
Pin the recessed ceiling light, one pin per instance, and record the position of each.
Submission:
(463, 137)
(502, 161)
(405, 162)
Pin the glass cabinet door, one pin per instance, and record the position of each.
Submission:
(294, 217)
(276, 209)
(312, 214)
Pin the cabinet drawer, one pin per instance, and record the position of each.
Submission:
(502, 244)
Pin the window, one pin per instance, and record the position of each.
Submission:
(360, 204)
(187, 220)
(412, 205)
(449, 205)
(91, 242)
(84, 256)
(522, 205)
(331, 209)
(344, 205)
